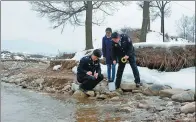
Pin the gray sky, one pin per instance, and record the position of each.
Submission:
(19, 22)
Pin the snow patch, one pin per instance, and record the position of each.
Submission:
(18, 58)
(57, 67)
(185, 78)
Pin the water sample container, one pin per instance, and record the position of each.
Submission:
(111, 86)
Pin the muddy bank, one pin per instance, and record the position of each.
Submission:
(150, 103)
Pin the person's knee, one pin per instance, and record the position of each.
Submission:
(101, 77)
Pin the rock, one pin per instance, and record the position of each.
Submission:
(170, 103)
(154, 89)
(189, 115)
(92, 98)
(170, 92)
(50, 90)
(159, 108)
(166, 98)
(139, 97)
(90, 93)
(182, 104)
(124, 110)
(24, 86)
(66, 88)
(128, 86)
(188, 108)
(79, 94)
(136, 91)
(131, 86)
(113, 94)
(182, 115)
(102, 97)
(143, 104)
(37, 82)
(115, 98)
(5, 79)
(74, 87)
(194, 114)
(187, 96)
(97, 93)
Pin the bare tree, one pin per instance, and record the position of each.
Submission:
(145, 21)
(164, 11)
(152, 12)
(191, 29)
(61, 13)
(183, 26)
(186, 27)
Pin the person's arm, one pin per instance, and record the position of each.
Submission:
(98, 69)
(130, 46)
(81, 66)
(103, 47)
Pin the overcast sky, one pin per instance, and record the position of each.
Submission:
(20, 23)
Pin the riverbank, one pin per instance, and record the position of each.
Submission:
(151, 103)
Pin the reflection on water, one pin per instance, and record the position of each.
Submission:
(20, 105)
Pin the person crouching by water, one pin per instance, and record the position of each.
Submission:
(89, 71)
(107, 54)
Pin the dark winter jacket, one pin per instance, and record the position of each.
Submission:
(86, 64)
(107, 49)
(126, 48)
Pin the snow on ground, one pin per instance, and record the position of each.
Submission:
(18, 58)
(165, 44)
(185, 78)
(81, 54)
(155, 39)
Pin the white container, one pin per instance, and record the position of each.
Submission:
(111, 86)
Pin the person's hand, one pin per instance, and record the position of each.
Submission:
(104, 59)
(89, 73)
(114, 62)
(126, 57)
(96, 75)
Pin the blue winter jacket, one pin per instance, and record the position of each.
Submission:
(107, 49)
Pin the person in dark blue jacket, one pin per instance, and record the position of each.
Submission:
(89, 71)
(107, 54)
(122, 47)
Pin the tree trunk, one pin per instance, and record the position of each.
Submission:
(193, 32)
(162, 23)
(145, 21)
(149, 21)
(88, 25)
(193, 35)
(184, 34)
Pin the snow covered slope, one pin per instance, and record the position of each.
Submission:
(185, 78)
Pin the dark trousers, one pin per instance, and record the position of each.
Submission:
(89, 82)
(121, 66)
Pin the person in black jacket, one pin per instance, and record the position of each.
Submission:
(122, 47)
(89, 71)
